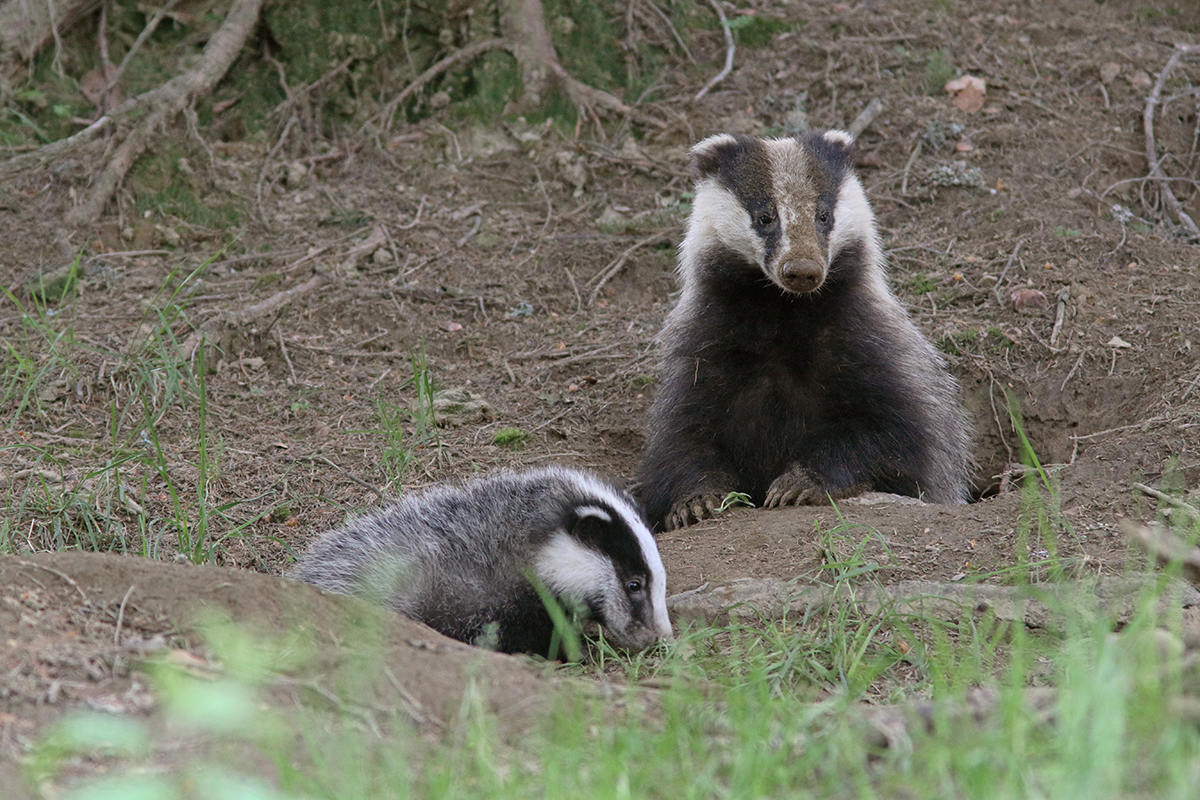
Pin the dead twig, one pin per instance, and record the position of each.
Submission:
(615, 265)
(262, 173)
(1174, 502)
(730, 48)
(466, 237)
(121, 615)
(1152, 159)
(865, 118)
(468, 53)
(912, 158)
(1059, 314)
(667, 21)
(292, 97)
(416, 217)
(147, 31)
(1078, 361)
(62, 575)
(214, 328)
(1166, 548)
(1012, 257)
(377, 491)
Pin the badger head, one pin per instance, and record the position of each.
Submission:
(604, 559)
(785, 206)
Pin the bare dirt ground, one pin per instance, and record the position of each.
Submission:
(495, 249)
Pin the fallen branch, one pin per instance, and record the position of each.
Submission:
(217, 328)
(1152, 158)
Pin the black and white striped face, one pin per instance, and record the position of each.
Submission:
(605, 557)
(787, 206)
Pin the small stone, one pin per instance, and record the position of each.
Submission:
(297, 174)
(1029, 301)
(1109, 72)
(1140, 80)
(382, 256)
(454, 407)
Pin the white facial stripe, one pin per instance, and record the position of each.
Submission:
(796, 199)
(646, 543)
(593, 511)
(718, 215)
(568, 567)
(854, 221)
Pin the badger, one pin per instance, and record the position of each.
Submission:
(465, 560)
(789, 371)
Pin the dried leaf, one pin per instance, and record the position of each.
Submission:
(1117, 341)
(450, 326)
(92, 85)
(969, 93)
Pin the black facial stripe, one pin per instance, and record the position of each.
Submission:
(615, 540)
(743, 166)
(826, 203)
(832, 159)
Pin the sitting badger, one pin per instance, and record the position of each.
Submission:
(789, 370)
(459, 559)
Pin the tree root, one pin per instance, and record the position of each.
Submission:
(524, 37)
(1153, 160)
(156, 107)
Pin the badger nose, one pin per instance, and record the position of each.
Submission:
(801, 275)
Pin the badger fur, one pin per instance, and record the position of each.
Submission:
(458, 558)
(789, 370)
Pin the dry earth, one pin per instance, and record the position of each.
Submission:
(491, 247)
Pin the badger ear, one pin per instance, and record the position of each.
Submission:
(834, 136)
(842, 143)
(708, 154)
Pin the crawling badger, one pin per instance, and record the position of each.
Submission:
(458, 558)
(789, 370)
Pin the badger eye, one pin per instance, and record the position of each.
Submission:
(823, 217)
(633, 586)
(765, 219)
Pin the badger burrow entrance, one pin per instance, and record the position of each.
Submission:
(1051, 411)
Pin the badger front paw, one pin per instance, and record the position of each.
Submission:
(693, 509)
(802, 487)
(797, 487)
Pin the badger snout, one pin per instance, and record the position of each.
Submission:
(640, 637)
(801, 275)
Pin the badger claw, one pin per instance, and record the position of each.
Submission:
(801, 487)
(796, 487)
(693, 509)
